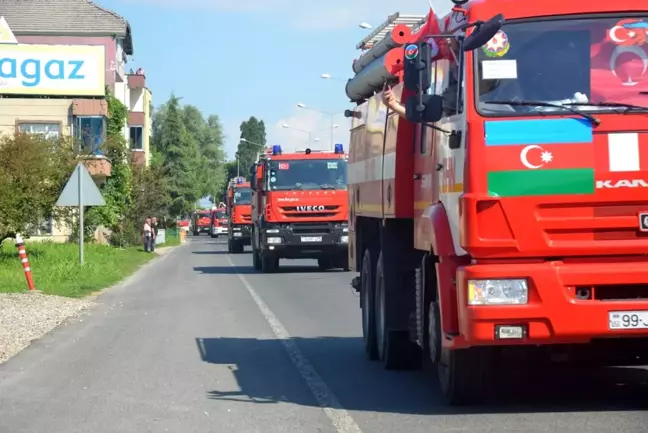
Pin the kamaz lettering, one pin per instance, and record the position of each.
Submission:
(624, 183)
(31, 73)
(310, 208)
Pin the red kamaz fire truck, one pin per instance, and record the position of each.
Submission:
(300, 208)
(503, 209)
(239, 200)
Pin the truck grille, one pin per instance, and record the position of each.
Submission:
(293, 212)
(311, 228)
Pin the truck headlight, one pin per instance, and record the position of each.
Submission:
(344, 239)
(345, 230)
(498, 292)
(274, 240)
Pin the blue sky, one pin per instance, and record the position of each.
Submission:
(256, 57)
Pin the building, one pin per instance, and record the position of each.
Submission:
(57, 58)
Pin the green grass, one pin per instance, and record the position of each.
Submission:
(56, 270)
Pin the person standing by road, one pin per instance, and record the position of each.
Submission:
(154, 233)
(147, 233)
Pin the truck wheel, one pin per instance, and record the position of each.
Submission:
(195, 233)
(342, 262)
(367, 273)
(464, 375)
(229, 246)
(269, 263)
(325, 263)
(256, 261)
(238, 248)
(395, 349)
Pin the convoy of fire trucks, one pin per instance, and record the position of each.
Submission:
(300, 208)
(238, 200)
(499, 212)
(201, 222)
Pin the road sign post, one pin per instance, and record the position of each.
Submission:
(81, 191)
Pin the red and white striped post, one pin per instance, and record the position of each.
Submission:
(20, 244)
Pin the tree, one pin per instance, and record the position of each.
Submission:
(181, 159)
(253, 140)
(33, 173)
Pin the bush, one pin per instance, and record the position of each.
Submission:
(33, 173)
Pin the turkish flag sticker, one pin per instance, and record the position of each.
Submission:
(284, 166)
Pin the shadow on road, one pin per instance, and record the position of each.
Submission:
(265, 374)
(210, 252)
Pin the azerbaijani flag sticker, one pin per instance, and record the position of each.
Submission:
(411, 51)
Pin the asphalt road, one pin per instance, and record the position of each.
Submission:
(200, 342)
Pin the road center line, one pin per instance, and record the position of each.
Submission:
(341, 419)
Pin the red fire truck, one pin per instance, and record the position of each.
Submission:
(504, 212)
(300, 208)
(219, 221)
(201, 221)
(239, 200)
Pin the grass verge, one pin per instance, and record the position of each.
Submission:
(56, 270)
(171, 239)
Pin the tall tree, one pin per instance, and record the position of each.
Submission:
(181, 159)
(253, 140)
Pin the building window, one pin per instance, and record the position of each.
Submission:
(136, 136)
(90, 131)
(49, 130)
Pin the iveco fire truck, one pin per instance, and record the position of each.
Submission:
(239, 200)
(219, 221)
(502, 209)
(299, 208)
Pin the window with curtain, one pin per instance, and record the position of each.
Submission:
(49, 130)
(90, 131)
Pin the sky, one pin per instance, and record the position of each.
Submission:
(242, 58)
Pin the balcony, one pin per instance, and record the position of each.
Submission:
(136, 81)
(98, 166)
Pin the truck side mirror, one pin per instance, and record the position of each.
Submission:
(417, 68)
(425, 109)
(253, 179)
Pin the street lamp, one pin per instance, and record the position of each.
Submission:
(331, 77)
(365, 26)
(303, 106)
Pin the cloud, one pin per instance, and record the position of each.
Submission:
(305, 125)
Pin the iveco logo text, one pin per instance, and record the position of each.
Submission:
(624, 183)
(310, 208)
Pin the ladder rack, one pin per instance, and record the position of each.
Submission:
(414, 22)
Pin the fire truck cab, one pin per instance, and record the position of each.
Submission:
(300, 208)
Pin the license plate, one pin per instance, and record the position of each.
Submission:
(311, 239)
(238, 235)
(628, 319)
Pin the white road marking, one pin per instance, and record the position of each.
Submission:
(341, 419)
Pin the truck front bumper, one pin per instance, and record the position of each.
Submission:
(566, 303)
(241, 233)
(306, 240)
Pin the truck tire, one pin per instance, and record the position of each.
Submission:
(256, 261)
(367, 304)
(269, 263)
(324, 263)
(464, 375)
(395, 349)
(196, 233)
(342, 262)
(229, 246)
(238, 248)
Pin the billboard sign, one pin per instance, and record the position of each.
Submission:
(63, 70)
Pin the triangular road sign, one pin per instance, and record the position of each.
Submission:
(90, 194)
(6, 35)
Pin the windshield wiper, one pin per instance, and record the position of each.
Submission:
(594, 120)
(327, 186)
(627, 107)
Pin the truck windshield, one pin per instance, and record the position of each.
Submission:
(242, 196)
(594, 64)
(221, 215)
(308, 174)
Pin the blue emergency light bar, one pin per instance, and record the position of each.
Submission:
(239, 180)
(339, 148)
(276, 149)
